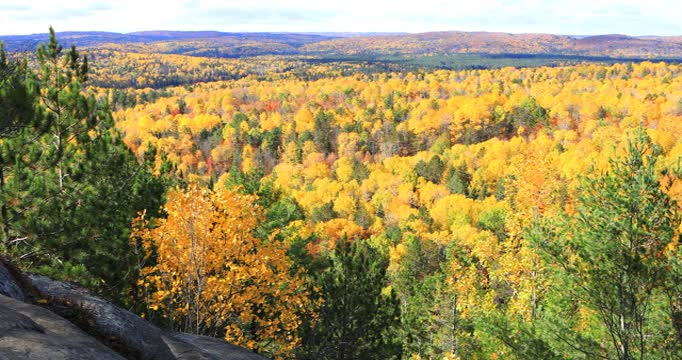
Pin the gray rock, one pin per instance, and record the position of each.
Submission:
(13, 320)
(8, 285)
(183, 350)
(132, 336)
(217, 348)
(31, 332)
(126, 332)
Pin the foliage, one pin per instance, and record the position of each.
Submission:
(453, 186)
(209, 274)
(72, 185)
(613, 256)
(359, 317)
(445, 166)
(17, 111)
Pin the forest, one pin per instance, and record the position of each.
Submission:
(320, 208)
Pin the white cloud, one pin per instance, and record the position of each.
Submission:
(568, 17)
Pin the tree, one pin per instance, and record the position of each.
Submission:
(457, 180)
(359, 318)
(18, 98)
(280, 210)
(612, 258)
(417, 277)
(210, 275)
(324, 132)
(431, 170)
(529, 114)
(74, 186)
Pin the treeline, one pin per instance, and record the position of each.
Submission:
(125, 69)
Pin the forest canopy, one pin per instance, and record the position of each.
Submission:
(345, 210)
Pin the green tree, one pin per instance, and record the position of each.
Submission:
(528, 114)
(74, 185)
(18, 98)
(324, 132)
(416, 280)
(612, 259)
(431, 170)
(358, 319)
(457, 180)
(280, 209)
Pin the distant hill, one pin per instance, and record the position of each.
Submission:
(96, 39)
(223, 44)
(503, 43)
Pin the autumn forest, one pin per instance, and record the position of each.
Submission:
(313, 197)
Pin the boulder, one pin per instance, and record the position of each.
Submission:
(123, 331)
(41, 318)
(32, 332)
(127, 333)
(217, 348)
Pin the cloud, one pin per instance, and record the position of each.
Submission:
(63, 12)
(99, 6)
(14, 7)
(258, 15)
(561, 16)
(192, 4)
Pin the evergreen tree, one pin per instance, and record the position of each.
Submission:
(17, 113)
(529, 114)
(17, 96)
(416, 281)
(612, 259)
(280, 209)
(75, 186)
(324, 133)
(431, 170)
(359, 318)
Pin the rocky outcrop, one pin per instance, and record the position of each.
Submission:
(121, 329)
(31, 332)
(68, 322)
(216, 348)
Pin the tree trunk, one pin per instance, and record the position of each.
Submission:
(3, 210)
(624, 341)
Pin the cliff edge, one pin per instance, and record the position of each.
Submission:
(42, 318)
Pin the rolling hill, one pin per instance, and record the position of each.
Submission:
(331, 45)
(503, 43)
(221, 44)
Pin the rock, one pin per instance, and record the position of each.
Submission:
(123, 331)
(31, 332)
(217, 348)
(8, 284)
(13, 320)
(68, 322)
(127, 333)
(184, 351)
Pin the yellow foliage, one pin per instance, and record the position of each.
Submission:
(211, 272)
(304, 120)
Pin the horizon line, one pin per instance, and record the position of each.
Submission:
(136, 32)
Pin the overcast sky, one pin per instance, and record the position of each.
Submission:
(578, 17)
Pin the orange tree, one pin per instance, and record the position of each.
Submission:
(212, 276)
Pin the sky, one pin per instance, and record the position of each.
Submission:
(574, 17)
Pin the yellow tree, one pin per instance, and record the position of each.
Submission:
(212, 276)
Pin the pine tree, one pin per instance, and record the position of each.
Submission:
(75, 186)
(612, 258)
(358, 319)
(17, 113)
